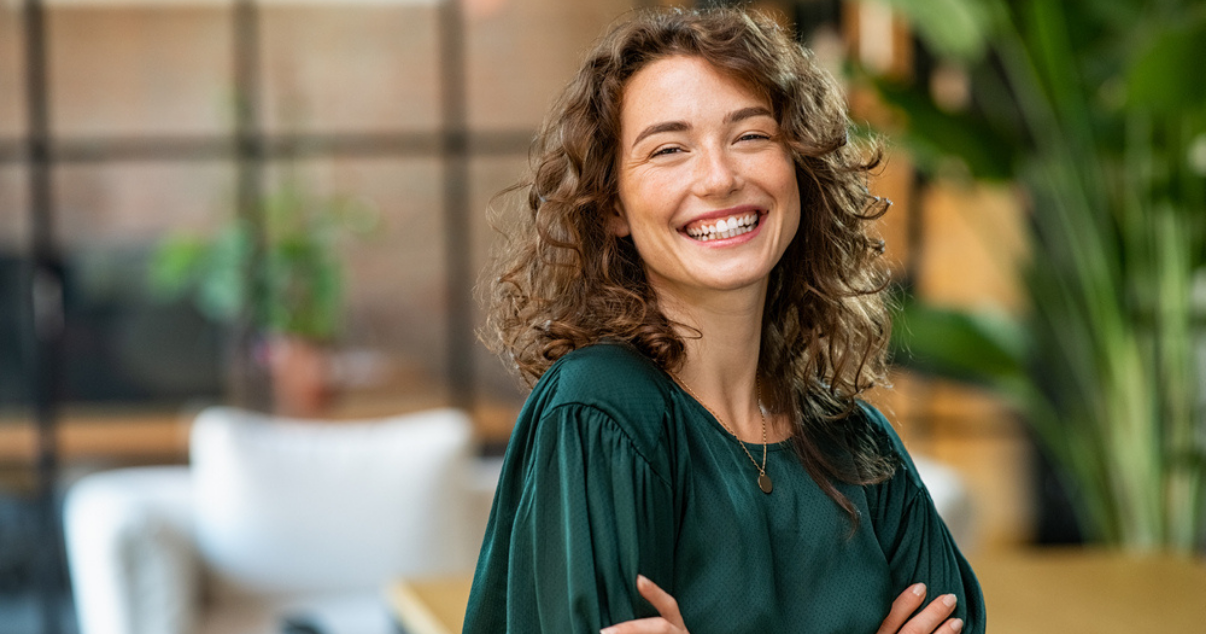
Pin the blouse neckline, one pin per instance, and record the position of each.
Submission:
(715, 425)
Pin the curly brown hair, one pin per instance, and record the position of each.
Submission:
(564, 280)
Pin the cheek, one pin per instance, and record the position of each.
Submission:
(793, 204)
(791, 228)
(647, 202)
(790, 196)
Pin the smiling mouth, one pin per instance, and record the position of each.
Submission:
(733, 226)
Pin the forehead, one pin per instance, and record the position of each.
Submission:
(682, 87)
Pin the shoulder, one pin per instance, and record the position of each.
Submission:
(611, 376)
(891, 446)
(878, 426)
(614, 380)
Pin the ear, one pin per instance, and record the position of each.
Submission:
(617, 222)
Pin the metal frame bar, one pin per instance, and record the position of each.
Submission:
(457, 244)
(44, 310)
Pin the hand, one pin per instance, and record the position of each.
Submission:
(670, 621)
(928, 621)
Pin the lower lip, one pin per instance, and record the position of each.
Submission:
(733, 241)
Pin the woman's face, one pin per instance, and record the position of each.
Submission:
(707, 187)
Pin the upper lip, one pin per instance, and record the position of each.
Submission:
(723, 213)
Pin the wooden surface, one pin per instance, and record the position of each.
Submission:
(114, 435)
(1071, 591)
(135, 435)
(1093, 592)
(430, 606)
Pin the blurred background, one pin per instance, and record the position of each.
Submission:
(282, 205)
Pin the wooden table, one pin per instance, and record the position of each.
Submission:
(1077, 591)
(430, 606)
(1072, 591)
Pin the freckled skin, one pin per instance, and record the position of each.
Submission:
(714, 146)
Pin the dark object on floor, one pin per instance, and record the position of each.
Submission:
(297, 624)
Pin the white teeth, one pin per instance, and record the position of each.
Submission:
(725, 228)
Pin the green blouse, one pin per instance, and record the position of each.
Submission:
(613, 470)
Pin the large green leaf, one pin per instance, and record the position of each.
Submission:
(934, 133)
(956, 29)
(982, 348)
(1168, 75)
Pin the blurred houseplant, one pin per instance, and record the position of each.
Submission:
(290, 289)
(1097, 109)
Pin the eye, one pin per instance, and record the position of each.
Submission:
(665, 151)
(754, 136)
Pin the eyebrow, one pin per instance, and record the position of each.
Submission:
(681, 126)
(746, 113)
(669, 126)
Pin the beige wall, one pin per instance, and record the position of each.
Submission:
(12, 90)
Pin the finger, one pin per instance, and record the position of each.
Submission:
(904, 605)
(932, 616)
(652, 625)
(953, 626)
(661, 600)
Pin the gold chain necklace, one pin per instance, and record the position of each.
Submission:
(764, 481)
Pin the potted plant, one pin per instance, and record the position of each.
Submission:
(290, 289)
(1087, 106)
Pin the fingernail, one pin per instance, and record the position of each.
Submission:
(919, 589)
(641, 579)
(950, 600)
(607, 630)
(956, 625)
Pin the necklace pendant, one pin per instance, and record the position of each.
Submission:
(764, 483)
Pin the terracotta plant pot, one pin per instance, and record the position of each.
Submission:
(302, 384)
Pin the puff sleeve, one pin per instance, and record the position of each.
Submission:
(580, 511)
(915, 540)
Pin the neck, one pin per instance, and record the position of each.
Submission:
(722, 358)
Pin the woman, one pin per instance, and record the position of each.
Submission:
(696, 294)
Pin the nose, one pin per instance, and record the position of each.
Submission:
(716, 175)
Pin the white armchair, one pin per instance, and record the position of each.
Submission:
(274, 519)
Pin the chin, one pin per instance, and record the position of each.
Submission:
(733, 283)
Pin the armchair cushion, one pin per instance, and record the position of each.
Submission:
(129, 540)
(290, 507)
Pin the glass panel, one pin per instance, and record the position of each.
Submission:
(134, 203)
(123, 343)
(500, 392)
(13, 247)
(360, 67)
(12, 74)
(520, 55)
(14, 208)
(393, 338)
(136, 69)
